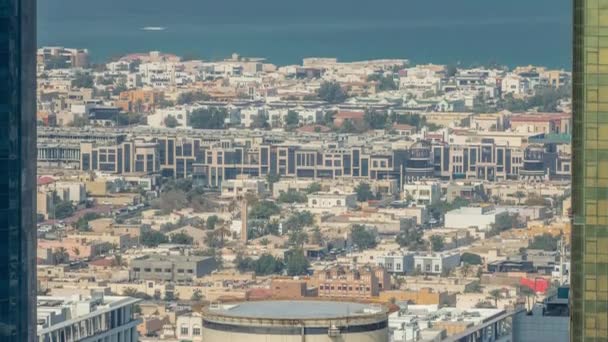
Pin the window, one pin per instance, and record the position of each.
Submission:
(158, 270)
(191, 271)
(136, 269)
(180, 270)
(184, 331)
(196, 331)
(147, 269)
(167, 270)
(436, 268)
(428, 268)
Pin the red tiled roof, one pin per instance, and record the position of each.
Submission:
(44, 180)
(350, 114)
(101, 263)
(403, 127)
(312, 128)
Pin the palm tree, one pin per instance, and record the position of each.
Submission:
(527, 292)
(61, 255)
(76, 251)
(496, 295)
(197, 295)
(118, 261)
(519, 195)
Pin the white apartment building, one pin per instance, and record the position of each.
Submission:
(422, 192)
(180, 113)
(236, 188)
(436, 263)
(420, 78)
(398, 263)
(515, 85)
(332, 200)
(97, 318)
(482, 217)
(249, 114)
(189, 327)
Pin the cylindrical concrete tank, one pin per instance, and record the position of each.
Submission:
(295, 321)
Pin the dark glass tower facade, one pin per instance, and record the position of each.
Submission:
(589, 276)
(17, 170)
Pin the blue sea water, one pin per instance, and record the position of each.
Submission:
(510, 32)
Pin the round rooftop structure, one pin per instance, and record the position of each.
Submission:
(294, 320)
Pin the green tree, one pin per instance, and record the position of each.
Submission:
(212, 221)
(364, 192)
(260, 121)
(61, 256)
(208, 118)
(243, 264)
(546, 242)
(79, 121)
(63, 209)
(328, 117)
(267, 264)
(82, 80)
(375, 119)
(312, 188)
(171, 121)
(119, 88)
(298, 220)
(437, 243)
(197, 296)
(470, 259)
(182, 238)
(297, 237)
(317, 237)
(297, 264)
(331, 92)
(496, 294)
(504, 222)
(411, 239)
(474, 287)
(128, 119)
(451, 70)
(526, 292)
(519, 195)
(362, 237)
(292, 196)
(83, 223)
(263, 210)
(385, 82)
(152, 238)
(192, 97)
(292, 119)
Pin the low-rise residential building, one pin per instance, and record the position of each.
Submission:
(397, 263)
(422, 192)
(480, 217)
(362, 282)
(436, 263)
(238, 188)
(332, 200)
(175, 268)
(189, 327)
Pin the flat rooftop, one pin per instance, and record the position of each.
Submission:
(289, 309)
